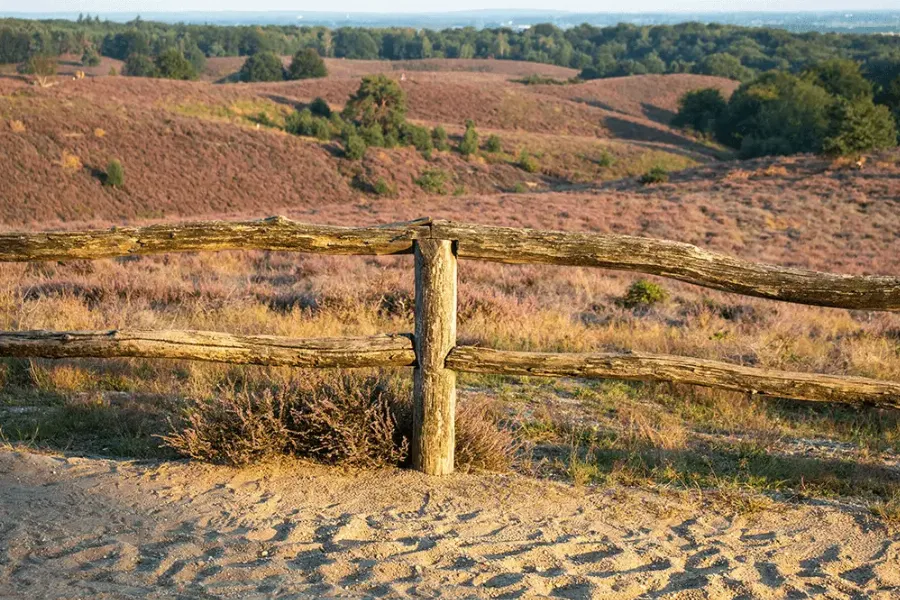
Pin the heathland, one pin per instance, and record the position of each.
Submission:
(605, 488)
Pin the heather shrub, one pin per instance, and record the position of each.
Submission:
(115, 174)
(644, 293)
(480, 443)
(439, 139)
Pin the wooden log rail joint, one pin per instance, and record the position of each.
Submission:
(432, 349)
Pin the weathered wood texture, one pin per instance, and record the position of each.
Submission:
(500, 244)
(434, 386)
(677, 369)
(675, 260)
(374, 351)
(276, 233)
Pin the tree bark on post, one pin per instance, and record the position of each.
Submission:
(434, 386)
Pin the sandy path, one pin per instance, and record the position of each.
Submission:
(85, 528)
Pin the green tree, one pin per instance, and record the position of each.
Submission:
(307, 64)
(857, 126)
(840, 78)
(171, 64)
(90, 57)
(439, 138)
(320, 108)
(42, 67)
(262, 66)
(493, 144)
(139, 65)
(381, 102)
(468, 145)
(354, 147)
(700, 109)
(115, 174)
(723, 65)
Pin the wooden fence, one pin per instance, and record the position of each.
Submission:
(432, 349)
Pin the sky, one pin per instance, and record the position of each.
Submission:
(387, 6)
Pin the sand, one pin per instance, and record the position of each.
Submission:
(75, 527)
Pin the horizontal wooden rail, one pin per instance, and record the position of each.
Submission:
(678, 369)
(675, 260)
(373, 351)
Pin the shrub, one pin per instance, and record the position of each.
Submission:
(70, 162)
(262, 66)
(379, 101)
(307, 64)
(383, 188)
(372, 134)
(300, 122)
(90, 57)
(655, 175)
(433, 180)
(606, 159)
(112, 72)
(480, 443)
(527, 162)
(418, 137)
(858, 126)
(643, 293)
(493, 144)
(42, 67)
(699, 110)
(320, 108)
(115, 174)
(439, 139)
(139, 65)
(354, 147)
(171, 64)
(468, 145)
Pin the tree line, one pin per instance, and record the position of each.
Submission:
(730, 51)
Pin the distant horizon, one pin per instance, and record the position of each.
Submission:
(511, 9)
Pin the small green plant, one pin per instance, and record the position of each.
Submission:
(433, 180)
(383, 188)
(528, 163)
(655, 175)
(115, 174)
(320, 108)
(520, 188)
(493, 144)
(468, 145)
(644, 293)
(439, 139)
(606, 159)
(419, 137)
(372, 135)
(90, 57)
(354, 147)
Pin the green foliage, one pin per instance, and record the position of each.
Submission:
(858, 126)
(439, 139)
(373, 135)
(655, 175)
(320, 108)
(419, 137)
(305, 123)
(724, 65)
(354, 147)
(841, 78)
(171, 64)
(307, 64)
(606, 159)
(379, 101)
(115, 174)
(90, 57)
(433, 180)
(468, 145)
(699, 110)
(383, 188)
(644, 293)
(528, 163)
(41, 65)
(263, 66)
(139, 65)
(493, 144)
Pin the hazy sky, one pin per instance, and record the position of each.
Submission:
(101, 6)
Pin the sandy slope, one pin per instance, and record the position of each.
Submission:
(85, 528)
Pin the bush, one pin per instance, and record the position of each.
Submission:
(115, 174)
(171, 64)
(527, 162)
(433, 180)
(139, 65)
(354, 147)
(90, 58)
(655, 175)
(353, 420)
(262, 66)
(42, 67)
(699, 110)
(606, 159)
(493, 144)
(320, 108)
(383, 188)
(307, 64)
(643, 293)
(418, 137)
(372, 135)
(379, 101)
(859, 126)
(468, 145)
(439, 139)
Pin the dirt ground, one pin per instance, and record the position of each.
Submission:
(89, 528)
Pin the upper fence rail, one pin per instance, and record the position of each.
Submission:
(675, 260)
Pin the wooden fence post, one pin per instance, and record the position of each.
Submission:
(434, 386)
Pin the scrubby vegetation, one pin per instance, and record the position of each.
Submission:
(657, 174)
(115, 174)
(306, 64)
(468, 145)
(828, 108)
(262, 66)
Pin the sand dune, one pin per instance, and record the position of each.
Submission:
(86, 528)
